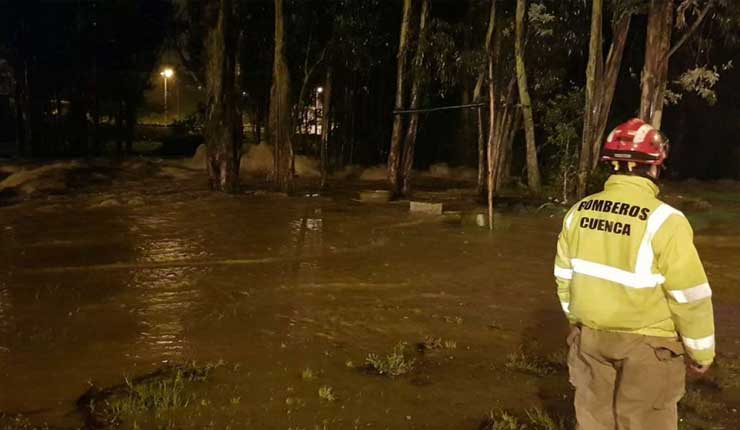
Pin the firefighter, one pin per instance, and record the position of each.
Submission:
(633, 288)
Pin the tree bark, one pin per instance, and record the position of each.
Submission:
(593, 77)
(394, 155)
(280, 108)
(655, 71)
(24, 131)
(608, 85)
(326, 127)
(223, 120)
(416, 90)
(533, 170)
(601, 82)
(477, 91)
(492, 51)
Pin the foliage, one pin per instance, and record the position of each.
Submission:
(396, 363)
(562, 122)
(541, 20)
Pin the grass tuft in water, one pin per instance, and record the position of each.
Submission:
(308, 374)
(536, 419)
(394, 364)
(327, 393)
(18, 422)
(525, 363)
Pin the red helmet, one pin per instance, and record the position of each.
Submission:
(636, 141)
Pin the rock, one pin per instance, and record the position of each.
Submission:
(426, 208)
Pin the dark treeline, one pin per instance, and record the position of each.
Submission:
(551, 77)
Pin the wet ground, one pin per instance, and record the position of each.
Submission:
(118, 280)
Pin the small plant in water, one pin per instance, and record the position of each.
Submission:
(541, 420)
(327, 393)
(394, 364)
(308, 374)
(522, 362)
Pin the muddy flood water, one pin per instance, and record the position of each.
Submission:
(287, 298)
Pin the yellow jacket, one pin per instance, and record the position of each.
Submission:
(626, 262)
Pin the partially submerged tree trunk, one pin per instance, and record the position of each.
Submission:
(533, 170)
(280, 109)
(395, 155)
(601, 82)
(655, 71)
(416, 90)
(326, 127)
(223, 121)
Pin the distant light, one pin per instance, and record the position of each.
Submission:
(167, 73)
(244, 93)
(320, 90)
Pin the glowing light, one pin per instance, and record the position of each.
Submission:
(167, 73)
(320, 90)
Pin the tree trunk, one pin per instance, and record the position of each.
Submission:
(504, 135)
(413, 127)
(609, 85)
(477, 91)
(593, 78)
(504, 170)
(394, 155)
(326, 127)
(533, 170)
(492, 138)
(655, 71)
(280, 108)
(24, 131)
(601, 82)
(223, 121)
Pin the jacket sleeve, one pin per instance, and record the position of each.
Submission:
(563, 270)
(686, 287)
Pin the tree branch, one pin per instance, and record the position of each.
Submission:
(691, 30)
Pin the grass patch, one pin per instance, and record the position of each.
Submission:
(394, 364)
(18, 422)
(525, 363)
(535, 419)
(432, 343)
(327, 393)
(700, 404)
(162, 391)
(308, 374)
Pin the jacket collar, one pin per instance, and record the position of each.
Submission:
(632, 184)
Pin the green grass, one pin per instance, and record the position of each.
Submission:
(536, 419)
(327, 393)
(394, 364)
(525, 363)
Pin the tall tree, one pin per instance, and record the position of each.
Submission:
(655, 71)
(533, 170)
(417, 73)
(223, 127)
(326, 125)
(601, 82)
(395, 155)
(280, 108)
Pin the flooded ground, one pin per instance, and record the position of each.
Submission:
(292, 295)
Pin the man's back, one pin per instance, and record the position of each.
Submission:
(626, 263)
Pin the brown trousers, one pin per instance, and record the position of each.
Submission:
(625, 381)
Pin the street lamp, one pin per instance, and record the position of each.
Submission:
(167, 73)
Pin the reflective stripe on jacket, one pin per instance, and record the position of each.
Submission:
(626, 262)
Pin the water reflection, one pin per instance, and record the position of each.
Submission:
(307, 236)
(6, 316)
(165, 298)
